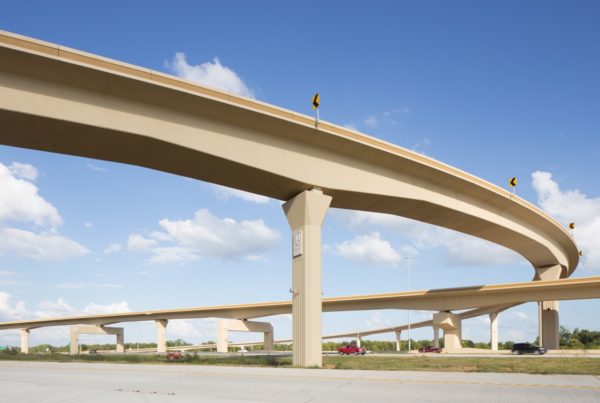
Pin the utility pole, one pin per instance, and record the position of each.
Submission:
(408, 262)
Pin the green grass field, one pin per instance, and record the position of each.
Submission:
(528, 365)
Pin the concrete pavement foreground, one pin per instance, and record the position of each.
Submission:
(87, 382)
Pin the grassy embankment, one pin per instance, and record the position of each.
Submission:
(533, 365)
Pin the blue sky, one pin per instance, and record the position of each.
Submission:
(497, 89)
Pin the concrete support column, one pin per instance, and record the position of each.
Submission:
(436, 336)
(222, 334)
(161, 335)
(452, 326)
(305, 214)
(358, 340)
(120, 342)
(549, 325)
(548, 310)
(398, 334)
(25, 341)
(494, 331)
(74, 344)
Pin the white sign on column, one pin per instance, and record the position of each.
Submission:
(297, 244)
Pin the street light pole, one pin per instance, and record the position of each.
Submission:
(408, 287)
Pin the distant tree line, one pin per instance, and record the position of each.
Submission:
(576, 339)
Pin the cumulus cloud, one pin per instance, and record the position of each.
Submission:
(39, 246)
(20, 200)
(11, 311)
(98, 309)
(461, 249)
(113, 248)
(371, 249)
(225, 193)
(138, 243)
(205, 236)
(21, 204)
(210, 74)
(572, 206)
(23, 171)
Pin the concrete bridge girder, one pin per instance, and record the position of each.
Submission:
(91, 329)
(224, 326)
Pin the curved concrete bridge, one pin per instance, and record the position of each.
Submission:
(58, 99)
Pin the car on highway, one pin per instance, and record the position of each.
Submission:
(175, 356)
(527, 348)
(351, 349)
(430, 349)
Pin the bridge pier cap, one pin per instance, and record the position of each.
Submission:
(305, 214)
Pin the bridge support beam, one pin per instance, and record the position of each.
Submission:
(358, 340)
(25, 341)
(452, 326)
(161, 335)
(494, 331)
(94, 329)
(224, 326)
(436, 336)
(398, 334)
(548, 310)
(305, 214)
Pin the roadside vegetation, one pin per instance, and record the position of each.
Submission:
(529, 365)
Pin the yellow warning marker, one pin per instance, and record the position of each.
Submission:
(513, 184)
(316, 101)
(572, 225)
(580, 253)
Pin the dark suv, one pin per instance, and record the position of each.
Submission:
(527, 348)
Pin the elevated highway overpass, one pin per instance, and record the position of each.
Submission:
(57, 99)
(485, 299)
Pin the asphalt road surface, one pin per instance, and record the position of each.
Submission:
(87, 382)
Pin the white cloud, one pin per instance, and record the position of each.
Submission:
(96, 168)
(42, 246)
(113, 248)
(225, 193)
(369, 249)
(88, 285)
(192, 328)
(372, 121)
(54, 309)
(138, 243)
(10, 312)
(173, 254)
(572, 206)
(205, 236)
(23, 171)
(88, 224)
(378, 321)
(20, 201)
(99, 309)
(212, 74)
(460, 249)
(386, 118)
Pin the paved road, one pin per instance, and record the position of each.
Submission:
(87, 382)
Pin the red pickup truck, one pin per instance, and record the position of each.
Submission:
(351, 349)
